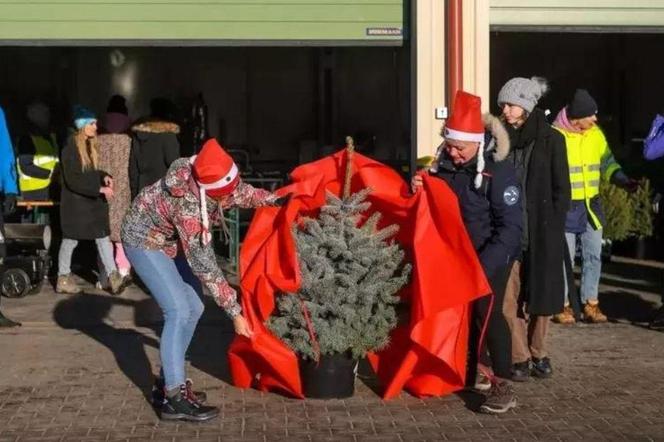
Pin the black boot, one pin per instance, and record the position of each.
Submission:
(180, 407)
(6, 322)
(159, 397)
(542, 368)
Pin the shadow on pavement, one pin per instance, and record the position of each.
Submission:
(621, 305)
(89, 313)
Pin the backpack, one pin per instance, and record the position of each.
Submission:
(653, 145)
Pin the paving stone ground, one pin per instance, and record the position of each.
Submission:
(81, 367)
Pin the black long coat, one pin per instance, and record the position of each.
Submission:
(154, 147)
(83, 210)
(547, 199)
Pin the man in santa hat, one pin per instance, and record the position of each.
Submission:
(166, 236)
(470, 162)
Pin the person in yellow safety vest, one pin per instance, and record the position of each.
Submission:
(38, 156)
(590, 160)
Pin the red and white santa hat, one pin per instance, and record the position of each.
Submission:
(216, 174)
(465, 124)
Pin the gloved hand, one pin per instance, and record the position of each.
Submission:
(283, 200)
(623, 181)
(10, 204)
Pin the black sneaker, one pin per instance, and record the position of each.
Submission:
(159, 397)
(521, 371)
(542, 368)
(180, 407)
(500, 399)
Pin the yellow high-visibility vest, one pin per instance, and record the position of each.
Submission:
(589, 159)
(46, 157)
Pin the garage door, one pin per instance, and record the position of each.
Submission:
(597, 15)
(221, 22)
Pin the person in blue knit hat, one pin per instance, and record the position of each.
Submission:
(84, 204)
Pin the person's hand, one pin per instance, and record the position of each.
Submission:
(107, 192)
(620, 179)
(631, 185)
(416, 183)
(9, 204)
(108, 181)
(283, 200)
(242, 327)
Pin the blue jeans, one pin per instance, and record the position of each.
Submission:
(591, 250)
(176, 290)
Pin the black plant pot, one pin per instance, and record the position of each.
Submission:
(641, 248)
(635, 247)
(333, 377)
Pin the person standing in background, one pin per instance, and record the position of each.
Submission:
(154, 145)
(590, 160)
(114, 150)
(84, 208)
(536, 278)
(38, 155)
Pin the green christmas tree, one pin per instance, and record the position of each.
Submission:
(626, 214)
(643, 211)
(617, 207)
(351, 274)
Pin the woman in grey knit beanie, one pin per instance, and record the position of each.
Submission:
(521, 95)
(535, 284)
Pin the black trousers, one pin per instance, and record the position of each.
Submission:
(496, 351)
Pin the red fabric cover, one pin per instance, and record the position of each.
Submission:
(466, 114)
(428, 356)
(211, 164)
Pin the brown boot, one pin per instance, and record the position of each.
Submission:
(592, 313)
(565, 317)
(67, 285)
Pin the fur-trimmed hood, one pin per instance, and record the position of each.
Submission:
(155, 127)
(500, 145)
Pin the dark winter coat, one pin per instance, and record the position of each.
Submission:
(546, 188)
(154, 147)
(83, 210)
(492, 212)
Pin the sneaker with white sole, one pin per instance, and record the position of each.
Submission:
(500, 399)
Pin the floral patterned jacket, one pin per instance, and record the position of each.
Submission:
(167, 214)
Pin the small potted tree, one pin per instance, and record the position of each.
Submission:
(629, 218)
(351, 273)
(617, 208)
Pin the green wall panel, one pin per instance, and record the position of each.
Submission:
(570, 13)
(176, 21)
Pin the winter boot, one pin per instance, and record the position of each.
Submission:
(592, 313)
(159, 397)
(181, 407)
(67, 285)
(565, 317)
